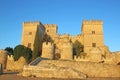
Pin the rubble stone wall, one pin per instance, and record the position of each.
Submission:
(90, 68)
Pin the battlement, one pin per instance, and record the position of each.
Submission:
(64, 36)
(32, 23)
(10, 57)
(47, 44)
(95, 22)
(67, 44)
(50, 25)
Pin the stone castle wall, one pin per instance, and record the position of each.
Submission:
(91, 36)
(52, 72)
(92, 32)
(113, 58)
(67, 51)
(32, 36)
(49, 67)
(3, 58)
(89, 68)
(48, 50)
(15, 65)
(29, 33)
(51, 29)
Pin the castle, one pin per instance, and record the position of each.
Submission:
(57, 57)
(61, 46)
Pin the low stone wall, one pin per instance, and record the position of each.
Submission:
(71, 69)
(89, 68)
(52, 72)
(113, 58)
(15, 65)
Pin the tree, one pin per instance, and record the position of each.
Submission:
(77, 48)
(27, 54)
(10, 50)
(18, 52)
(21, 50)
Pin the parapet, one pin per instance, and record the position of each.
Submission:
(50, 25)
(64, 36)
(32, 23)
(48, 44)
(10, 57)
(96, 22)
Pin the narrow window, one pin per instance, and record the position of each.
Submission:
(47, 30)
(29, 45)
(93, 44)
(93, 32)
(30, 33)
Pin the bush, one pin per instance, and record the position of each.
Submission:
(77, 48)
(21, 50)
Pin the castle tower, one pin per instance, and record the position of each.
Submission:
(92, 32)
(48, 50)
(51, 30)
(32, 36)
(67, 51)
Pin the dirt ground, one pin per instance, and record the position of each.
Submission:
(14, 76)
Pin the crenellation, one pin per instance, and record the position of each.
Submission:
(90, 22)
(10, 57)
(50, 25)
(48, 44)
(31, 22)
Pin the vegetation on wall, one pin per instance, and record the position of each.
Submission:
(47, 38)
(77, 48)
(21, 50)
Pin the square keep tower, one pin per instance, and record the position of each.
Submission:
(92, 32)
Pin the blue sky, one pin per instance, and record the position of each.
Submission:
(67, 14)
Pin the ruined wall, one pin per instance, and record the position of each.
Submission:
(48, 50)
(15, 65)
(3, 58)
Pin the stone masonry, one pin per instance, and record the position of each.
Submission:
(71, 69)
(91, 37)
